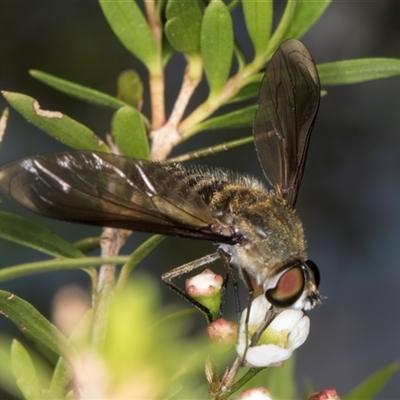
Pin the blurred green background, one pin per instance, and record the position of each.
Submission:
(350, 196)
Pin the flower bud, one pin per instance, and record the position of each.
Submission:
(206, 289)
(222, 332)
(258, 393)
(327, 394)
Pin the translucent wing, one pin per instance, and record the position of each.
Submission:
(110, 190)
(288, 103)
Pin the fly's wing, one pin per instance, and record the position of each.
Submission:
(288, 103)
(109, 190)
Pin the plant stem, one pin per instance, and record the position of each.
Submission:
(111, 241)
(156, 79)
(165, 138)
(234, 84)
(212, 150)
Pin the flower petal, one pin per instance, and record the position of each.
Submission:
(286, 320)
(299, 333)
(266, 355)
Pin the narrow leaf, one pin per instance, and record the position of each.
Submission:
(31, 234)
(24, 372)
(306, 13)
(183, 25)
(130, 134)
(80, 92)
(250, 90)
(354, 71)
(235, 119)
(132, 29)
(217, 45)
(88, 244)
(247, 92)
(130, 88)
(33, 324)
(368, 389)
(281, 381)
(258, 18)
(7, 379)
(137, 256)
(16, 271)
(297, 19)
(61, 127)
(60, 379)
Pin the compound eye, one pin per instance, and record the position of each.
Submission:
(289, 288)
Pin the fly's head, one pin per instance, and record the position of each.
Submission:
(272, 255)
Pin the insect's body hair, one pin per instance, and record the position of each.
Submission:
(272, 233)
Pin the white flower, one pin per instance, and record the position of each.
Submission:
(284, 334)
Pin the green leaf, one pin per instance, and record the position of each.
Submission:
(132, 29)
(24, 372)
(258, 18)
(235, 119)
(247, 92)
(298, 17)
(130, 88)
(80, 92)
(217, 45)
(137, 256)
(183, 25)
(7, 379)
(17, 271)
(33, 324)
(130, 133)
(60, 379)
(281, 381)
(368, 389)
(31, 234)
(63, 128)
(306, 13)
(88, 244)
(360, 70)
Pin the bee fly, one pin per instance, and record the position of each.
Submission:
(257, 228)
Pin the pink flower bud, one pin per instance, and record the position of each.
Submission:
(222, 331)
(206, 289)
(258, 393)
(204, 284)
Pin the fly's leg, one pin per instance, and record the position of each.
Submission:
(184, 269)
(226, 260)
(269, 316)
(250, 297)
